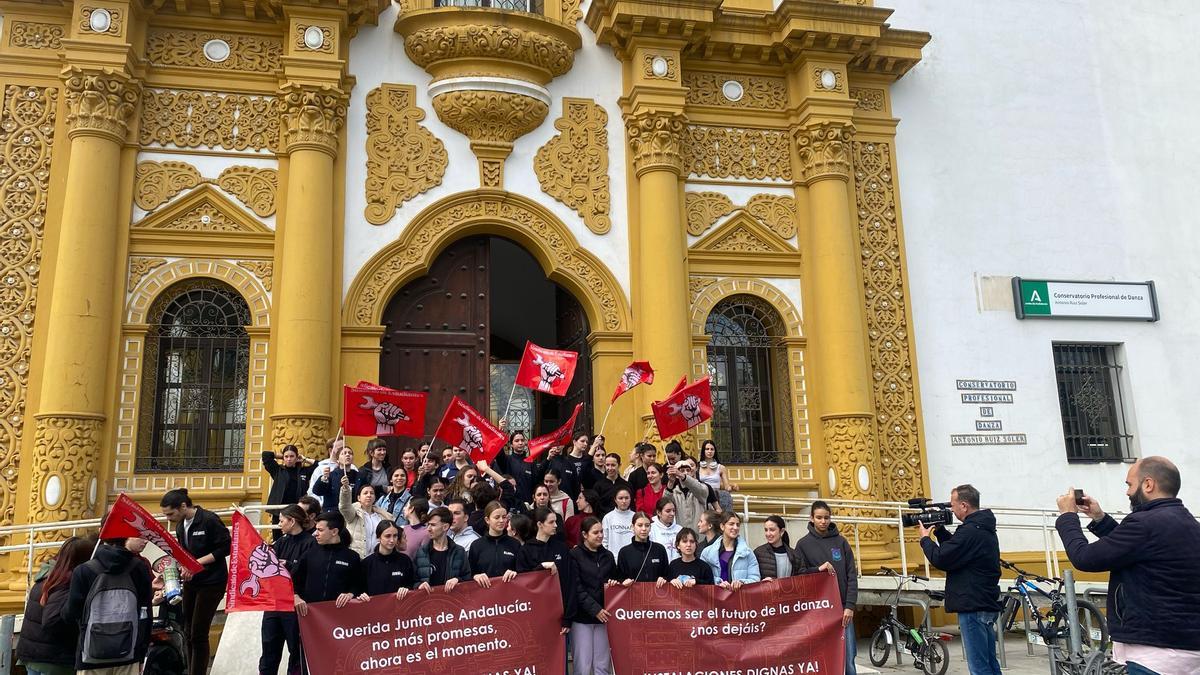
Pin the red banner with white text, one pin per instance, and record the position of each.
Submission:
(785, 626)
(510, 628)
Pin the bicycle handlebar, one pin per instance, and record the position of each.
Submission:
(1036, 577)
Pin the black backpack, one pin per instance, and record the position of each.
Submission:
(112, 618)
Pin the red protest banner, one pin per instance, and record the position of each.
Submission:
(258, 582)
(371, 410)
(464, 427)
(546, 370)
(634, 374)
(128, 519)
(510, 628)
(559, 436)
(685, 408)
(790, 625)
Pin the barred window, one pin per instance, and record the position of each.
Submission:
(1089, 397)
(747, 360)
(197, 362)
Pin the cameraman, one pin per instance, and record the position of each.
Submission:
(970, 556)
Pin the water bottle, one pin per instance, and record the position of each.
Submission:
(172, 590)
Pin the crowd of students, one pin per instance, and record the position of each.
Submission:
(346, 533)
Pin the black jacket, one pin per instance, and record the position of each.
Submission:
(831, 547)
(606, 490)
(287, 485)
(388, 573)
(527, 474)
(642, 561)
(207, 534)
(970, 557)
(381, 479)
(493, 556)
(290, 548)
(593, 569)
(327, 490)
(535, 552)
(45, 630)
(1153, 596)
(697, 569)
(569, 468)
(327, 571)
(113, 560)
(456, 561)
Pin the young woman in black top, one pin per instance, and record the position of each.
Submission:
(544, 551)
(687, 570)
(495, 553)
(594, 569)
(280, 627)
(388, 569)
(642, 559)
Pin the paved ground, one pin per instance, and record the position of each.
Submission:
(1019, 660)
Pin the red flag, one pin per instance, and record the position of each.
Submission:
(546, 370)
(371, 410)
(635, 373)
(679, 387)
(464, 427)
(258, 582)
(129, 519)
(683, 409)
(559, 436)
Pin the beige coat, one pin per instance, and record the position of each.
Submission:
(357, 520)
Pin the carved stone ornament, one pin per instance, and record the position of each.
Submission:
(65, 454)
(140, 266)
(776, 212)
(655, 140)
(306, 433)
(732, 152)
(263, 269)
(490, 117)
(704, 209)
(404, 158)
(111, 24)
(495, 42)
(177, 47)
(758, 91)
(654, 64)
(156, 183)
(36, 35)
(194, 119)
(27, 122)
(572, 167)
(99, 102)
(304, 35)
(893, 357)
(868, 99)
(571, 12)
(824, 150)
(313, 116)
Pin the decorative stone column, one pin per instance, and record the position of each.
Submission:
(70, 420)
(837, 329)
(662, 327)
(305, 287)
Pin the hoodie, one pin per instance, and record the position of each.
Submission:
(535, 552)
(618, 529)
(665, 535)
(815, 548)
(109, 559)
(388, 573)
(970, 557)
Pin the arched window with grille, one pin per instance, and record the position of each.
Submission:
(747, 359)
(195, 378)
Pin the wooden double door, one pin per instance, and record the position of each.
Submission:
(438, 338)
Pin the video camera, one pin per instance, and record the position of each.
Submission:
(932, 513)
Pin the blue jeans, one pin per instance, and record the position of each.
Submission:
(979, 641)
(1138, 669)
(851, 649)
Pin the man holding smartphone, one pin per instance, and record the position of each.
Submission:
(1153, 595)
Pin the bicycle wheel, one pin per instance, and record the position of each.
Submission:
(935, 658)
(1089, 616)
(880, 647)
(1008, 616)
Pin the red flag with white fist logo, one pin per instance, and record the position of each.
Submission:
(464, 427)
(685, 408)
(371, 410)
(546, 370)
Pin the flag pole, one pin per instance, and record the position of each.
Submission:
(510, 398)
(606, 414)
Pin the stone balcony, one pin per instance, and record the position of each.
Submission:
(490, 61)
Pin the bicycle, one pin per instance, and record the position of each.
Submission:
(927, 647)
(1050, 626)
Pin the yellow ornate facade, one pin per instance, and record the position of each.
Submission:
(654, 158)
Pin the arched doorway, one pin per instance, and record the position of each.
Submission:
(460, 329)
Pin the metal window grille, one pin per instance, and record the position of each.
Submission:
(746, 339)
(199, 350)
(533, 6)
(1089, 397)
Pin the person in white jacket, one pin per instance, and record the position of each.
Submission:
(618, 523)
(361, 516)
(663, 527)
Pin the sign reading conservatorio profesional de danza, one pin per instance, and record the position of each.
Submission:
(1051, 299)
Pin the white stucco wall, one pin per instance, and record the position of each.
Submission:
(1049, 139)
(377, 56)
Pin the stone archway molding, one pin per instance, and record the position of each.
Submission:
(487, 212)
(717, 290)
(162, 275)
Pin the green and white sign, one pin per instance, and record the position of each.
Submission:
(1050, 299)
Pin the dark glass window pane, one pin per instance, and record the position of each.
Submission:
(1089, 398)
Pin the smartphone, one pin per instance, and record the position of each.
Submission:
(1079, 498)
